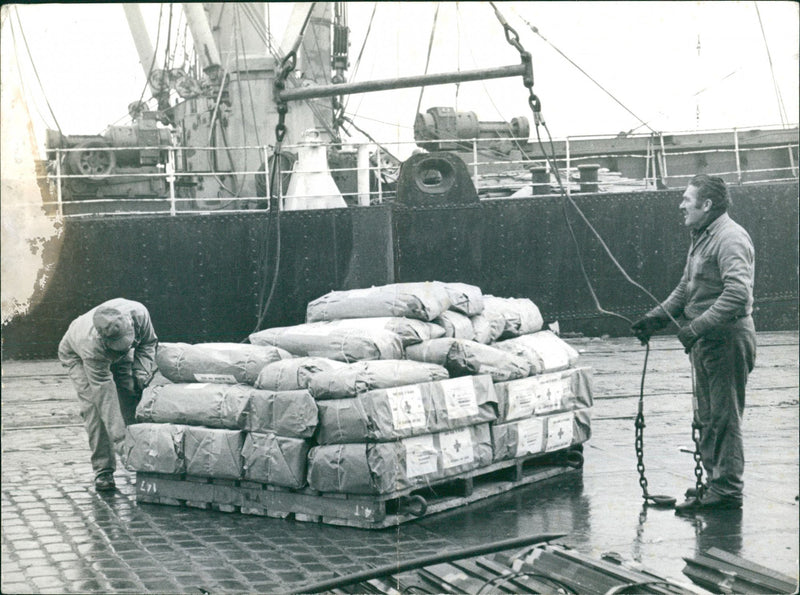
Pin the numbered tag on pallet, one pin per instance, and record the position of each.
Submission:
(421, 456)
(456, 448)
(459, 397)
(408, 410)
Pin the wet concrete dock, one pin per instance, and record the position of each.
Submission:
(59, 535)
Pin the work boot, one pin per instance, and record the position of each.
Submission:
(692, 492)
(105, 482)
(709, 501)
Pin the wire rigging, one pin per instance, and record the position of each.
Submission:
(781, 108)
(428, 58)
(33, 66)
(568, 59)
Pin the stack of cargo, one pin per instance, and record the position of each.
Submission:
(211, 421)
(381, 391)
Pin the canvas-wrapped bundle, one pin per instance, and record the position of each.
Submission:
(544, 393)
(488, 326)
(398, 412)
(455, 325)
(360, 377)
(410, 330)
(287, 413)
(227, 363)
(199, 404)
(276, 460)
(294, 373)
(521, 315)
(540, 434)
(320, 340)
(461, 357)
(154, 448)
(423, 301)
(545, 351)
(386, 467)
(211, 452)
(464, 298)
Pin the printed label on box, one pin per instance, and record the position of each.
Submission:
(216, 378)
(559, 431)
(408, 410)
(456, 448)
(459, 397)
(421, 456)
(521, 397)
(549, 393)
(530, 436)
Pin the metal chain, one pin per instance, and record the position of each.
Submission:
(639, 424)
(698, 467)
(512, 37)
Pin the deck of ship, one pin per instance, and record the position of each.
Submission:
(59, 535)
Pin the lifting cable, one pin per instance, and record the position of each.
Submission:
(287, 65)
(535, 104)
(778, 96)
(361, 52)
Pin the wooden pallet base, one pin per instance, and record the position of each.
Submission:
(364, 511)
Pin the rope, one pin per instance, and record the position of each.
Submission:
(361, 52)
(428, 58)
(35, 72)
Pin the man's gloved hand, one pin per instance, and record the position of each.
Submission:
(140, 383)
(644, 328)
(687, 337)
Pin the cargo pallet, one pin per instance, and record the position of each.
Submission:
(353, 510)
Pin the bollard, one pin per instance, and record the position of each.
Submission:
(540, 179)
(588, 177)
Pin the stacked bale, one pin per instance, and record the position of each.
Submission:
(225, 427)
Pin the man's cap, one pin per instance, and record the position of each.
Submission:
(115, 328)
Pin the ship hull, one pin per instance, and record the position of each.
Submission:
(207, 277)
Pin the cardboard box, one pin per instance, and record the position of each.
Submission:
(287, 413)
(196, 404)
(544, 393)
(213, 453)
(154, 448)
(540, 434)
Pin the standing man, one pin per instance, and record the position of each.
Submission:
(715, 295)
(110, 352)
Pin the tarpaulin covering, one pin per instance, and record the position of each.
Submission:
(387, 467)
(227, 363)
(198, 404)
(538, 434)
(154, 448)
(544, 351)
(294, 373)
(464, 298)
(393, 413)
(213, 453)
(455, 325)
(360, 377)
(462, 357)
(339, 344)
(544, 393)
(488, 326)
(410, 330)
(287, 413)
(276, 460)
(521, 315)
(424, 301)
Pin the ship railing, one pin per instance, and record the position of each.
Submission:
(508, 171)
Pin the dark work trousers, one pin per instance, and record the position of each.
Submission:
(722, 360)
(126, 388)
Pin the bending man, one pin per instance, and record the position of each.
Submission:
(110, 352)
(715, 295)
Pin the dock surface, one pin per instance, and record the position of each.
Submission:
(60, 536)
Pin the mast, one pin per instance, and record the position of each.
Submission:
(141, 39)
